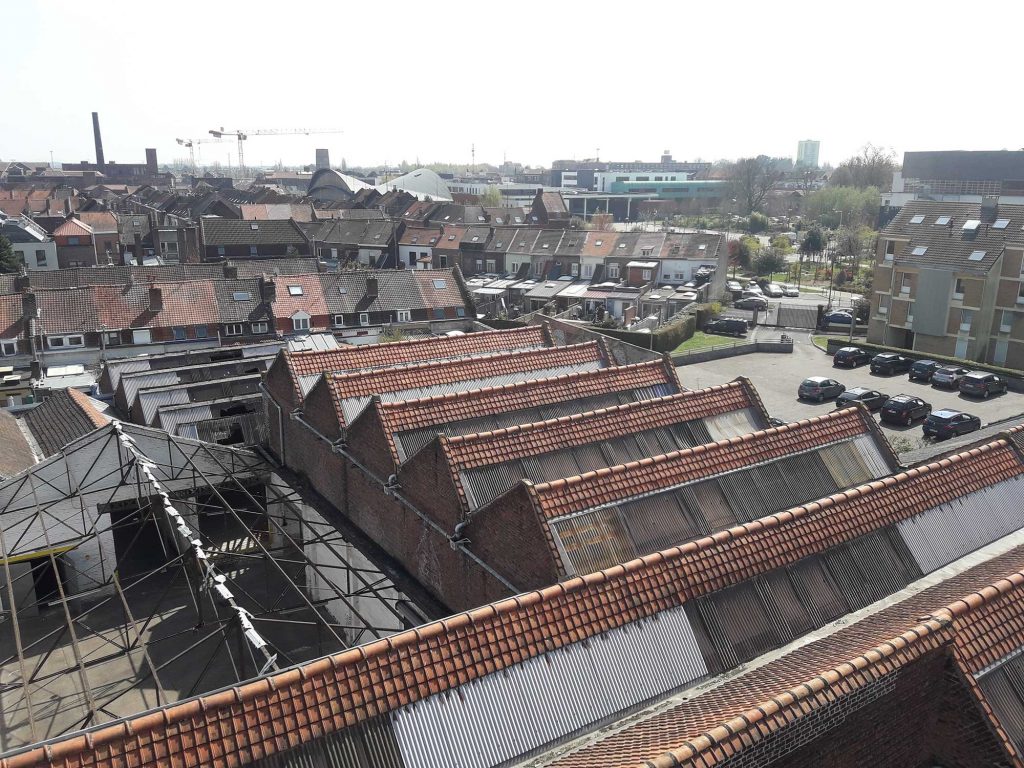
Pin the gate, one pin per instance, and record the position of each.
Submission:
(796, 316)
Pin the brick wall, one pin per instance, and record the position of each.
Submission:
(367, 442)
(427, 483)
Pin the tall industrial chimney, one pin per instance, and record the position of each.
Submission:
(97, 137)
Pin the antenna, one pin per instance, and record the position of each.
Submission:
(472, 168)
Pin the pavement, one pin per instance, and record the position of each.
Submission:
(777, 376)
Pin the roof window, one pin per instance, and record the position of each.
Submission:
(498, 244)
(942, 221)
(440, 284)
(1000, 224)
(598, 242)
(451, 237)
(920, 250)
(622, 245)
(241, 296)
(447, 217)
(971, 225)
(480, 218)
(917, 219)
(254, 226)
(545, 245)
(294, 290)
(476, 238)
(415, 239)
(976, 256)
(342, 290)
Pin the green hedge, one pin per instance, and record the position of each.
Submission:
(1013, 373)
(665, 339)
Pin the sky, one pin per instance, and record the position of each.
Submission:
(532, 82)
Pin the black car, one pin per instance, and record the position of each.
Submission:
(728, 326)
(981, 384)
(923, 370)
(943, 424)
(903, 409)
(751, 302)
(851, 357)
(870, 397)
(889, 363)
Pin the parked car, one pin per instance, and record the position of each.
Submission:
(923, 370)
(748, 294)
(791, 290)
(850, 357)
(889, 363)
(751, 302)
(733, 286)
(870, 397)
(774, 291)
(837, 318)
(981, 384)
(946, 423)
(754, 288)
(819, 388)
(727, 326)
(949, 376)
(903, 409)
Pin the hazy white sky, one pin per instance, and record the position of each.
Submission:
(535, 81)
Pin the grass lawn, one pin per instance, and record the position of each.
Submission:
(821, 342)
(701, 340)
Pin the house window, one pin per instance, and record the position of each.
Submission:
(966, 317)
(294, 290)
(253, 250)
(515, 267)
(905, 283)
(588, 270)
(404, 315)
(112, 338)
(645, 274)
(300, 323)
(201, 332)
(64, 342)
(883, 305)
(259, 327)
(479, 265)
(439, 313)
(460, 311)
(442, 261)
(1006, 323)
(491, 265)
(910, 313)
(1020, 293)
(233, 329)
(890, 249)
(221, 251)
(8, 347)
(574, 269)
(40, 258)
(958, 289)
(364, 318)
(72, 241)
(179, 333)
(613, 271)
(142, 336)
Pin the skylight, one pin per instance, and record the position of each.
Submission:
(415, 239)
(476, 238)
(942, 221)
(622, 245)
(295, 290)
(440, 284)
(702, 246)
(480, 218)
(920, 250)
(1001, 224)
(498, 244)
(254, 225)
(976, 256)
(545, 245)
(451, 237)
(598, 242)
(241, 296)
(971, 224)
(447, 217)
(917, 219)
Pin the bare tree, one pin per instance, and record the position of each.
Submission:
(752, 178)
(871, 167)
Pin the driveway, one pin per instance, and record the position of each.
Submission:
(776, 377)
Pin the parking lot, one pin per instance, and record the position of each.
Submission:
(777, 376)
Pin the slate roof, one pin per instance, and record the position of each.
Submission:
(501, 239)
(547, 241)
(604, 486)
(357, 685)
(217, 231)
(64, 416)
(438, 410)
(950, 247)
(238, 301)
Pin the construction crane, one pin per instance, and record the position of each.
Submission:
(191, 143)
(242, 135)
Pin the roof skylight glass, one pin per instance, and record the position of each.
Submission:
(976, 256)
(920, 250)
(971, 224)
(917, 219)
(295, 290)
(942, 221)
(1001, 224)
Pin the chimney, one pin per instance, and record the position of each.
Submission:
(156, 299)
(989, 208)
(137, 248)
(98, 139)
(29, 306)
(151, 162)
(268, 291)
(371, 287)
(68, 209)
(230, 271)
(37, 370)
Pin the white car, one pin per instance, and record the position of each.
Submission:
(775, 291)
(791, 290)
(753, 288)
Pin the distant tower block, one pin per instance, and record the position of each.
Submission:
(97, 138)
(323, 159)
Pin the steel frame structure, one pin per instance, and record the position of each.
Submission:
(51, 512)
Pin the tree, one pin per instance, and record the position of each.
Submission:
(767, 262)
(757, 222)
(740, 253)
(871, 167)
(9, 261)
(781, 244)
(491, 198)
(858, 206)
(752, 178)
(601, 222)
(813, 242)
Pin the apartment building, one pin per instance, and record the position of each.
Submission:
(948, 281)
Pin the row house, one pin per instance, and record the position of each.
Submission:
(235, 239)
(76, 244)
(370, 243)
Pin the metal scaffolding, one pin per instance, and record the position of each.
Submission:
(141, 568)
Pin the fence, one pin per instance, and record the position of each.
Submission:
(720, 351)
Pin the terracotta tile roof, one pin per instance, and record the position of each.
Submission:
(311, 300)
(710, 726)
(363, 384)
(11, 313)
(350, 358)
(340, 691)
(413, 414)
(451, 238)
(600, 244)
(186, 303)
(16, 454)
(486, 448)
(98, 221)
(438, 289)
(420, 236)
(62, 417)
(605, 486)
(70, 310)
(73, 228)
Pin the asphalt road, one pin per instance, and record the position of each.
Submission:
(777, 376)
